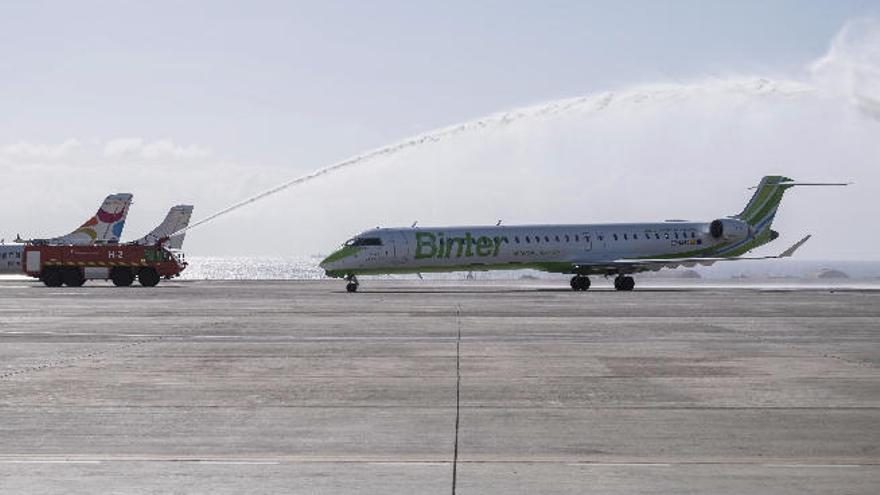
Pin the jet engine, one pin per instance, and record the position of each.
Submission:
(729, 229)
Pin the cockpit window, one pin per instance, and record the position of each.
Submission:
(364, 241)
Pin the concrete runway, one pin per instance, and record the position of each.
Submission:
(268, 387)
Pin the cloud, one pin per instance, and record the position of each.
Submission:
(24, 149)
(851, 68)
(123, 146)
(167, 147)
(162, 148)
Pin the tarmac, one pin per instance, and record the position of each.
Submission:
(436, 387)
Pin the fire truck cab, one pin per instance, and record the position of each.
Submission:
(71, 265)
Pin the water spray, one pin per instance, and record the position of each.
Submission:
(586, 104)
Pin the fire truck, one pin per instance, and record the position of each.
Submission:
(71, 265)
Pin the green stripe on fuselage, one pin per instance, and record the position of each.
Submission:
(341, 254)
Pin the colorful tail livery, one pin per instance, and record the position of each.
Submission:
(608, 249)
(176, 220)
(103, 228)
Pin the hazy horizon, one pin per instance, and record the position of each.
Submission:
(619, 114)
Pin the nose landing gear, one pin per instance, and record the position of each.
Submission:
(580, 282)
(625, 283)
(352, 285)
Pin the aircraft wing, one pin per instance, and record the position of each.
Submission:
(657, 263)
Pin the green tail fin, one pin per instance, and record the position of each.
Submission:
(761, 209)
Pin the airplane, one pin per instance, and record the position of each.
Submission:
(105, 227)
(618, 250)
(176, 220)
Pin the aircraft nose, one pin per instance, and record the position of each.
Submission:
(333, 261)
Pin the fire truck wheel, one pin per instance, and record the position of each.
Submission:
(51, 277)
(148, 277)
(73, 277)
(121, 276)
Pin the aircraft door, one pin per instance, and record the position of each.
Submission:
(389, 246)
(402, 248)
(587, 240)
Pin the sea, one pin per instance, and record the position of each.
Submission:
(306, 268)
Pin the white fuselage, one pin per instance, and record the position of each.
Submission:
(548, 247)
(10, 258)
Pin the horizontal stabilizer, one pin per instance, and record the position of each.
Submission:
(791, 183)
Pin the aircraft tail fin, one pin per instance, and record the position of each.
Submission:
(105, 227)
(761, 209)
(176, 220)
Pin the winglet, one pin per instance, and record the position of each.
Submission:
(790, 251)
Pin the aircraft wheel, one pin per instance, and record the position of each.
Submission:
(580, 282)
(51, 277)
(624, 283)
(121, 277)
(148, 277)
(73, 277)
(352, 285)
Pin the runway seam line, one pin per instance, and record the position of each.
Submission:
(94, 355)
(457, 396)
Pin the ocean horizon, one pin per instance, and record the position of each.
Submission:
(306, 268)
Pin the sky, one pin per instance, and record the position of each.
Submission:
(669, 110)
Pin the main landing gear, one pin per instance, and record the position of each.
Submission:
(580, 282)
(353, 284)
(624, 282)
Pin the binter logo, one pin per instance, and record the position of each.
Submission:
(431, 245)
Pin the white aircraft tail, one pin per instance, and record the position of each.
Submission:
(176, 220)
(103, 228)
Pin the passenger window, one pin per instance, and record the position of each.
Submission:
(601, 237)
(528, 241)
(538, 239)
(577, 238)
(636, 236)
(587, 238)
(657, 236)
(557, 238)
(625, 238)
(546, 239)
(666, 235)
(692, 234)
(567, 239)
(676, 235)
(516, 239)
(615, 236)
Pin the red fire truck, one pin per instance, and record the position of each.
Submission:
(121, 263)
